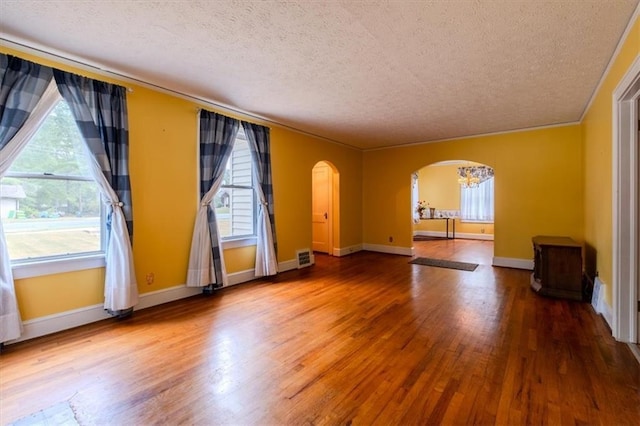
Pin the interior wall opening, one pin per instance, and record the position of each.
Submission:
(325, 208)
(453, 200)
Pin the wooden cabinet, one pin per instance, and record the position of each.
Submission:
(557, 267)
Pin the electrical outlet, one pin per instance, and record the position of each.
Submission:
(150, 278)
(390, 239)
(482, 230)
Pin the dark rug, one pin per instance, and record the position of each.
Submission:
(426, 261)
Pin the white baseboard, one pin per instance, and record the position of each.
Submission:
(403, 251)
(462, 235)
(241, 277)
(76, 317)
(607, 312)
(49, 324)
(511, 262)
(344, 251)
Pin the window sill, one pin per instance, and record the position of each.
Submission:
(239, 242)
(475, 221)
(57, 266)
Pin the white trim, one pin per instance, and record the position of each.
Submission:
(614, 55)
(76, 317)
(57, 266)
(606, 313)
(459, 235)
(635, 351)
(510, 262)
(241, 277)
(165, 295)
(625, 205)
(239, 242)
(344, 251)
(403, 251)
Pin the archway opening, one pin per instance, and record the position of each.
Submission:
(454, 200)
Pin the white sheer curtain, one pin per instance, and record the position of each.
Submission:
(120, 290)
(415, 197)
(266, 262)
(476, 204)
(11, 324)
(202, 271)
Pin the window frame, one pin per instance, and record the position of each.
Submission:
(235, 241)
(59, 263)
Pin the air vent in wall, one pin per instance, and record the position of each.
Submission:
(304, 258)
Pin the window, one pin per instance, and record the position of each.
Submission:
(476, 204)
(49, 203)
(235, 202)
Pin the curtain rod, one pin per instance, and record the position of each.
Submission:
(109, 73)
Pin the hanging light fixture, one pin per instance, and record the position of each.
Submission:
(471, 177)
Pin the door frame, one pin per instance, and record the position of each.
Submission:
(333, 187)
(625, 205)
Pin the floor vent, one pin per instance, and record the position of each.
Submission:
(304, 258)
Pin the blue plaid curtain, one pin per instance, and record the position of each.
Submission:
(258, 138)
(22, 84)
(100, 111)
(217, 135)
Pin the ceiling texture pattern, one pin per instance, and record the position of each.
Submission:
(368, 74)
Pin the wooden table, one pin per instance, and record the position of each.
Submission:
(453, 220)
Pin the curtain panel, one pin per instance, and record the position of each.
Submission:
(22, 85)
(415, 197)
(206, 264)
(100, 111)
(259, 145)
(476, 204)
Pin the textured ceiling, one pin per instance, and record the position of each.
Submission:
(365, 73)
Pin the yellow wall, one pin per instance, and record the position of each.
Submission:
(539, 195)
(597, 132)
(438, 185)
(163, 168)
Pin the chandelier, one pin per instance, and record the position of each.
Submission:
(471, 177)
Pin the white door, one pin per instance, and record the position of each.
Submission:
(321, 207)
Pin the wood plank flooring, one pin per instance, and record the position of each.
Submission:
(363, 339)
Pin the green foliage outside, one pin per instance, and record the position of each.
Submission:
(56, 149)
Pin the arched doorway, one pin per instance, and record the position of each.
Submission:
(325, 209)
(458, 197)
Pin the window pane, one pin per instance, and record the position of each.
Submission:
(239, 165)
(476, 204)
(46, 217)
(235, 201)
(57, 147)
(44, 214)
(234, 211)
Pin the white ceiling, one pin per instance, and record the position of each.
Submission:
(365, 73)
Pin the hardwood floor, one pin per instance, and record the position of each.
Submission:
(363, 339)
